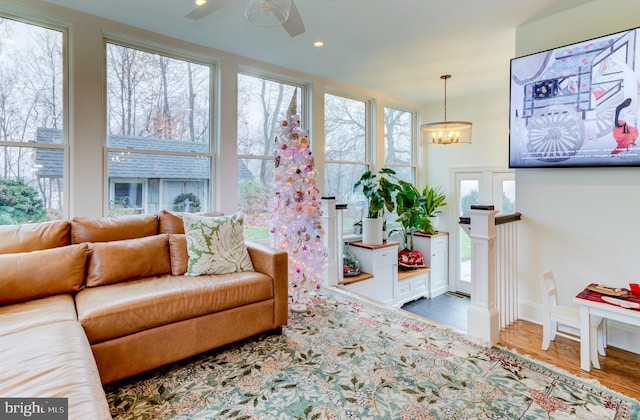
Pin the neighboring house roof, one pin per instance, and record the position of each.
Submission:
(50, 161)
(136, 165)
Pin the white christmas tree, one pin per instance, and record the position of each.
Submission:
(296, 225)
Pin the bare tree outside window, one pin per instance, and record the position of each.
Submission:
(154, 96)
(262, 104)
(158, 142)
(31, 121)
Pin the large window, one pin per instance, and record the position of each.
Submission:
(158, 141)
(32, 111)
(399, 143)
(262, 105)
(347, 151)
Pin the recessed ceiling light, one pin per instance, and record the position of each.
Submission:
(200, 2)
(318, 44)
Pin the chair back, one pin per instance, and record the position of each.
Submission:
(549, 293)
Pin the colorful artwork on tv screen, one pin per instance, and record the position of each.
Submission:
(577, 105)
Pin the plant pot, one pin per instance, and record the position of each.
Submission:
(435, 220)
(372, 231)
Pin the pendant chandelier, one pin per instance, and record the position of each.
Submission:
(267, 12)
(447, 132)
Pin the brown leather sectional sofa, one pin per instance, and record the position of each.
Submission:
(94, 300)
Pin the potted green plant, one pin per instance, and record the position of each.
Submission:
(411, 212)
(378, 188)
(434, 199)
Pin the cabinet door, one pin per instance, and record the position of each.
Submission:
(385, 272)
(439, 266)
(383, 265)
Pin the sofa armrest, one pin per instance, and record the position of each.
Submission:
(275, 264)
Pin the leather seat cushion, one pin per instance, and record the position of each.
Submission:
(34, 236)
(53, 360)
(116, 310)
(34, 313)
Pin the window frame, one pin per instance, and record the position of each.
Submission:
(64, 145)
(303, 112)
(369, 137)
(413, 166)
(211, 153)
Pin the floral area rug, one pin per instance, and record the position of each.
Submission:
(347, 358)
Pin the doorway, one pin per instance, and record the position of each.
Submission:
(475, 186)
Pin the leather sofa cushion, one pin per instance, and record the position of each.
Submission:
(129, 259)
(178, 253)
(103, 229)
(34, 237)
(171, 221)
(37, 274)
(121, 309)
(53, 360)
(37, 312)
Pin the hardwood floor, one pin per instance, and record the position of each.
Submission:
(620, 369)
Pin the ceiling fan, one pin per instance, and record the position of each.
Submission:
(292, 24)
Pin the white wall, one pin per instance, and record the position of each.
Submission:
(489, 113)
(581, 223)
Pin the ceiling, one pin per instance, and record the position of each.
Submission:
(399, 47)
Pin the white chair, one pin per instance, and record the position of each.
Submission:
(554, 314)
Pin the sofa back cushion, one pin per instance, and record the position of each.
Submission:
(104, 229)
(171, 222)
(37, 274)
(34, 236)
(128, 259)
(179, 254)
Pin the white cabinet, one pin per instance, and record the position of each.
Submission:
(381, 261)
(411, 285)
(381, 279)
(435, 251)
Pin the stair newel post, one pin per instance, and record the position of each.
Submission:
(482, 314)
(332, 240)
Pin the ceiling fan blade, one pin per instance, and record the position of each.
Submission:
(294, 25)
(206, 9)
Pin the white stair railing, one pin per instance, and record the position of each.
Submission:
(506, 270)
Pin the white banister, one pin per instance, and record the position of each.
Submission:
(506, 264)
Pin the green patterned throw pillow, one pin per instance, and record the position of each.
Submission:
(215, 245)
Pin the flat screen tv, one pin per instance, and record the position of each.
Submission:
(577, 105)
